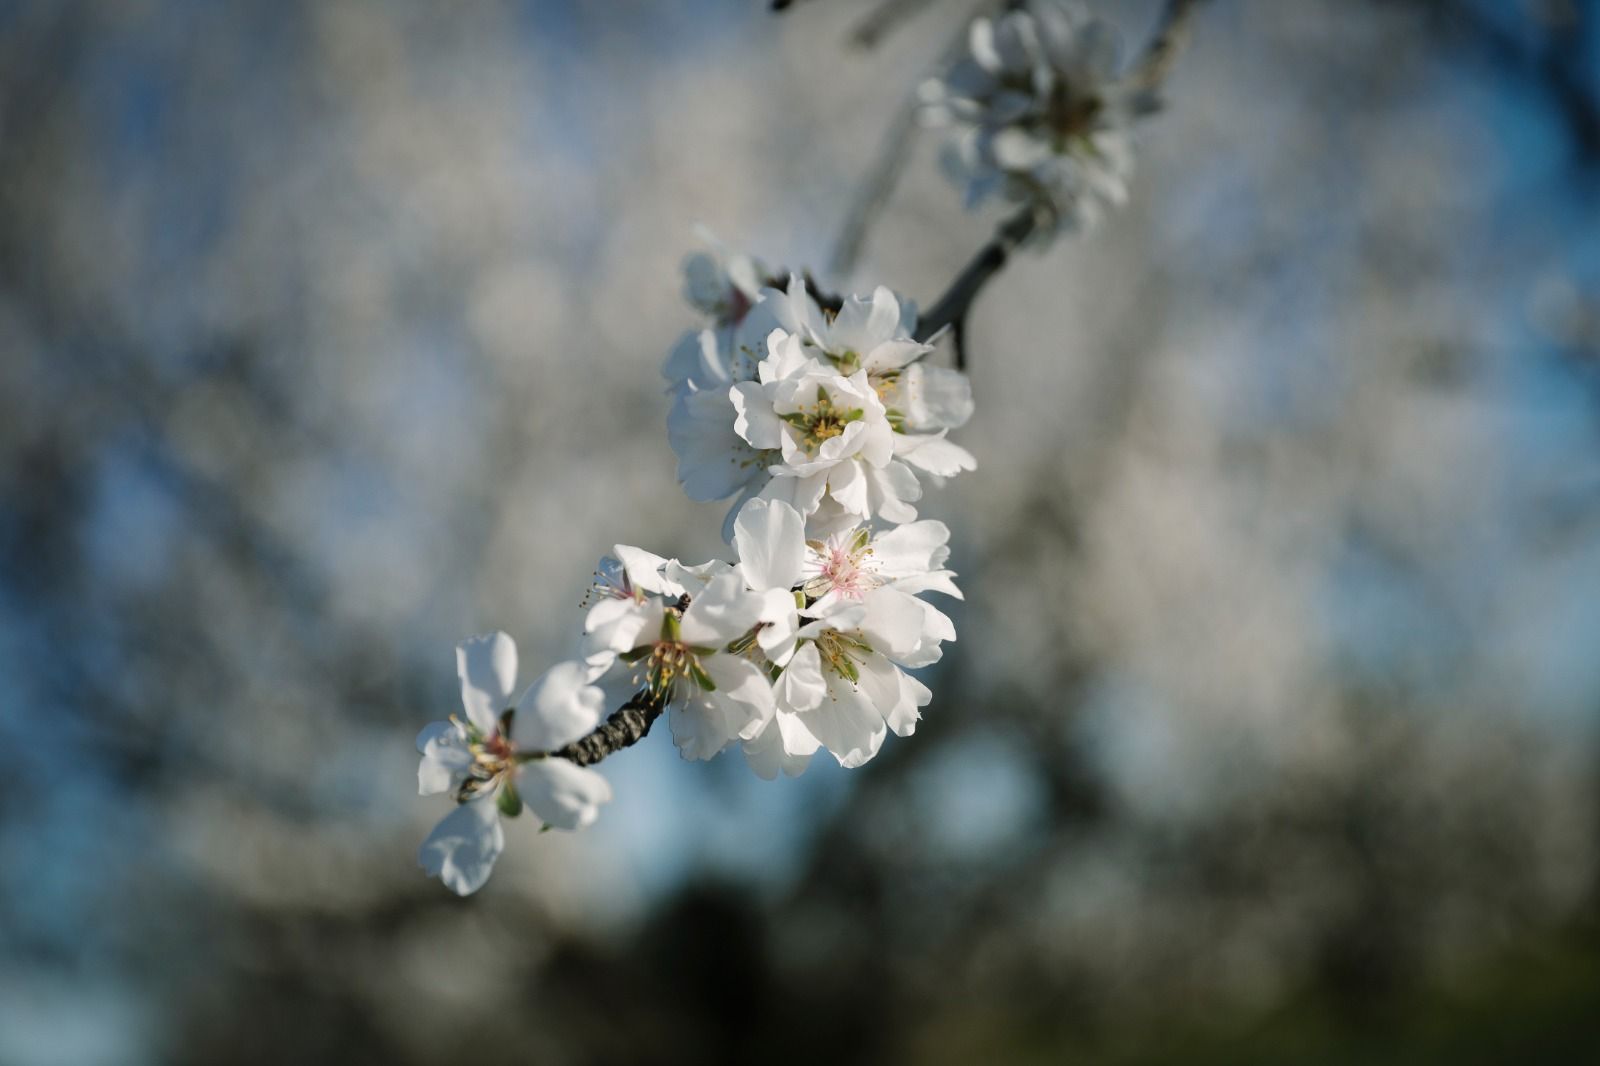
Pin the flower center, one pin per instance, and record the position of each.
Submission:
(492, 758)
(820, 421)
(843, 652)
(841, 566)
(660, 666)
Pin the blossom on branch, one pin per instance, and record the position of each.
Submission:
(835, 414)
(499, 759)
(1040, 115)
(852, 626)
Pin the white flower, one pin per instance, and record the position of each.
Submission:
(680, 658)
(841, 618)
(499, 759)
(627, 587)
(830, 413)
(845, 684)
(1040, 116)
(830, 431)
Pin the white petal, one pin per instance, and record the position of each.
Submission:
(891, 490)
(934, 454)
(847, 485)
(862, 325)
(558, 708)
(619, 625)
(743, 692)
(445, 758)
(785, 744)
(562, 794)
(780, 621)
(721, 612)
(753, 419)
(880, 683)
(936, 397)
(804, 494)
(487, 666)
(710, 454)
(800, 687)
(786, 357)
(846, 724)
(644, 570)
(770, 537)
(894, 621)
(698, 728)
(462, 849)
(914, 548)
(933, 581)
(913, 696)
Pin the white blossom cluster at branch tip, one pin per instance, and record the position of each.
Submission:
(824, 425)
(837, 414)
(821, 418)
(1038, 113)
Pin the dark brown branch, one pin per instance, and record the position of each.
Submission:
(625, 728)
(951, 308)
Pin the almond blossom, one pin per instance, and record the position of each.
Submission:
(500, 759)
(678, 657)
(1040, 115)
(851, 624)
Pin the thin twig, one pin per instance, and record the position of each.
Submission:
(875, 188)
(627, 726)
(1171, 34)
(951, 308)
(892, 155)
(883, 19)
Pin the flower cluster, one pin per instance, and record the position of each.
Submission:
(834, 413)
(801, 644)
(1040, 115)
(823, 423)
(822, 419)
(502, 757)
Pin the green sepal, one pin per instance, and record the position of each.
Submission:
(631, 657)
(671, 628)
(700, 676)
(855, 414)
(860, 540)
(708, 649)
(510, 803)
(505, 720)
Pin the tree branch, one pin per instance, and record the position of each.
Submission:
(627, 726)
(1172, 33)
(951, 308)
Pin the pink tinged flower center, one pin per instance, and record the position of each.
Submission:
(842, 567)
(611, 583)
(493, 758)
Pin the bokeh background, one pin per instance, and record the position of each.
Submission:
(330, 333)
